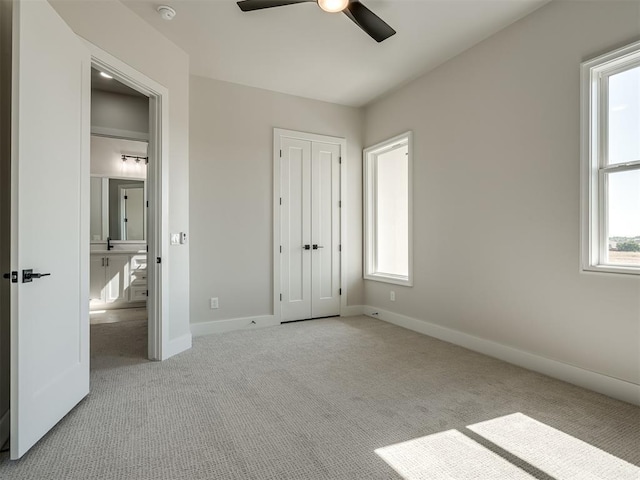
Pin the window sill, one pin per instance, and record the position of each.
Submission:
(616, 269)
(396, 280)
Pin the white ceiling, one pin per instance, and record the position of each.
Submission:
(301, 50)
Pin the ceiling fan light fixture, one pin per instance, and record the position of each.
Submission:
(333, 6)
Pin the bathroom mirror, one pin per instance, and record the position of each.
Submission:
(118, 209)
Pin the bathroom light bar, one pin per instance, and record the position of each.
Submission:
(135, 157)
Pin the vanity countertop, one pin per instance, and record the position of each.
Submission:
(116, 251)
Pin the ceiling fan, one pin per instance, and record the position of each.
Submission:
(368, 21)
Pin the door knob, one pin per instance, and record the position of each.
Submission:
(316, 246)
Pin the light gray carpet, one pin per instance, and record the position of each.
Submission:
(316, 400)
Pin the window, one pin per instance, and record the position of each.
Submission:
(387, 170)
(611, 162)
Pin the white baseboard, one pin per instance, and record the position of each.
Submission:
(613, 387)
(219, 326)
(352, 310)
(177, 345)
(5, 427)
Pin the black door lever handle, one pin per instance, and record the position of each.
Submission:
(28, 275)
(38, 275)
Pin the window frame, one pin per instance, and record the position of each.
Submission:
(594, 152)
(369, 211)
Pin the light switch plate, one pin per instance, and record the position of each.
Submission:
(175, 239)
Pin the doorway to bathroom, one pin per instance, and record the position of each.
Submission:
(118, 276)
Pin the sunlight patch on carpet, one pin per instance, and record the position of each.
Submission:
(556, 453)
(448, 455)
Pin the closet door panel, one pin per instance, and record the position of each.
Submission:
(295, 168)
(325, 228)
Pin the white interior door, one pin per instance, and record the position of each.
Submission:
(50, 183)
(309, 229)
(295, 233)
(325, 230)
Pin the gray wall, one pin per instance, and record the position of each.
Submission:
(497, 190)
(5, 210)
(122, 115)
(231, 192)
(103, 23)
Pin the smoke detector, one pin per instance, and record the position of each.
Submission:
(167, 13)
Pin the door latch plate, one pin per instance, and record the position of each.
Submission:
(13, 276)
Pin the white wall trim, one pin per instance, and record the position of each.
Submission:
(158, 195)
(369, 207)
(352, 310)
(177, 346)
(613, 387)
(594, 171)
(220, 326)
(118, 133)
(5, 427)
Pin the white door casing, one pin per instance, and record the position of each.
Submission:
(157, 193)
(307, 225)
(50, 177)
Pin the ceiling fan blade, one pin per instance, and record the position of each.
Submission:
(250, 5)
(368, 21)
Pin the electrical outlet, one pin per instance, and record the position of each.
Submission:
(392, 296)
(183, 237)
(214, 303)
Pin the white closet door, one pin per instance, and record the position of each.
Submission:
(295, 232)
(50, 218)
(309, 229)
(325, 230)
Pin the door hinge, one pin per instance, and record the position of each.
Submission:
(147, 203)
(280, 153)
(280, 297)
(339, 203)
(147, 248)
(340, 160)
(280, 200)
(126, 220)
(339, 248)
(13, 276)
(158, 260)
(147, 293)
(126, 197)
(280, 248)
(340, 291)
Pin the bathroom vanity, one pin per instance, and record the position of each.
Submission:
(118, 278)
(118, 265)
